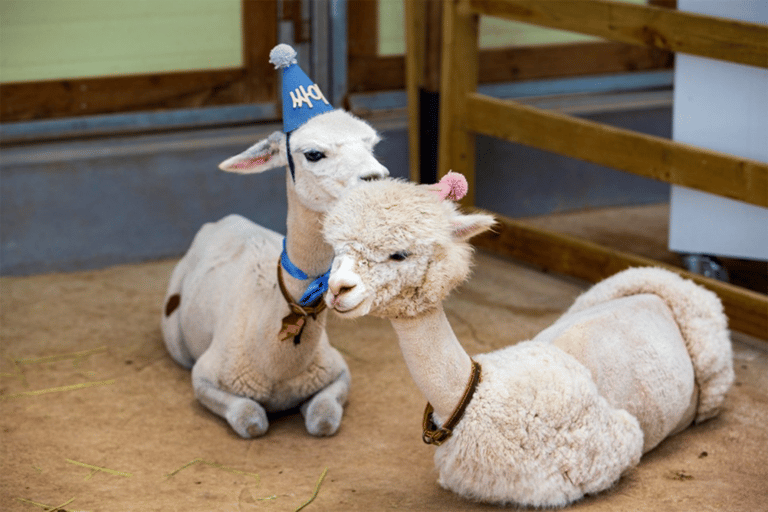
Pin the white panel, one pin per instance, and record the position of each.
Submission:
(721, 106)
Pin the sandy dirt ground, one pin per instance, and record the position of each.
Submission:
(95, 416)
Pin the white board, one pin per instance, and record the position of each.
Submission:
(724, 107)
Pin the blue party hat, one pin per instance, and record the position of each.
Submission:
(302, 98)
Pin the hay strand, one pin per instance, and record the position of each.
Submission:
(216, 465)
(62, 357)
(46, 508)
(58, 389)
(314, 494)
(96, 469)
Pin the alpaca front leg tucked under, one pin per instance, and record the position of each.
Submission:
(247, 417)
(322, 413)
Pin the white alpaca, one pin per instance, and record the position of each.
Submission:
(224, 308)
(637, 358)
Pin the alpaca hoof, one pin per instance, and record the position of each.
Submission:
(323, 416)
(248, 419)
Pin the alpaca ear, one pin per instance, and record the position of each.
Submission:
(260, 157)
(465, 227)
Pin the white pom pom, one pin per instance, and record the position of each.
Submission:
(282, 56)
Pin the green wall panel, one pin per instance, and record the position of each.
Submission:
(56, 39)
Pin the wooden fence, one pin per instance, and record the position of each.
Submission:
(464, 112)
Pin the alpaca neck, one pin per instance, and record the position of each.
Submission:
(438, 363)
(304, 242)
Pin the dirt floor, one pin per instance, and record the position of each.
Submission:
(96, 416)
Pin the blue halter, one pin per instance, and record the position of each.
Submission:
(316, 288)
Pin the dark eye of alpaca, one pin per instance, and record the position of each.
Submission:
(398, 256)
(314, 156)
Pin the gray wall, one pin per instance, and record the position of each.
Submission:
(88, 204)
(519, 181)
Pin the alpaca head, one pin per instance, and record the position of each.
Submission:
(331, 152)
(399, 249)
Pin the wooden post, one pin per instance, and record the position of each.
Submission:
(259, 37)
(459, 75)
(423, 32)
(415, 14)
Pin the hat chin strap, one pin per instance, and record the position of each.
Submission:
(291, 167)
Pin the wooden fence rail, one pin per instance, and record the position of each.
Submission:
(464, 112)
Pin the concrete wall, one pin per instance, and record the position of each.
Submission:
(519, 181)
(87, 204)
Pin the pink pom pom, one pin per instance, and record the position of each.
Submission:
(453, 186)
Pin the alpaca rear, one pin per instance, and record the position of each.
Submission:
(699, 315)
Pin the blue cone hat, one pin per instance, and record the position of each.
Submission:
(302, 98)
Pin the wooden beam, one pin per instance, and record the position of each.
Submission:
(260, 20)
(556, 252)
(51, 99)
(374, 73)
(363, 27)
(645, 155)
(415, 20)
(369, 73)
(459, 74)
(559, 60)
(707, 36)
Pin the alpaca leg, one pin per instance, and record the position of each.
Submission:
(322, 413)
(246, 417)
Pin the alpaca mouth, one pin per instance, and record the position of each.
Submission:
(350, 311)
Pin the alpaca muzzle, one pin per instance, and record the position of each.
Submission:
(347, 293)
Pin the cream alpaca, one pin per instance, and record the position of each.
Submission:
(224, 308)
(636, 359)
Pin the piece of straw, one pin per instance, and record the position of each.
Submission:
(58, 389)
(96, 469)
(314, 494)
(62, 357)
(45, 507)
(200, 460)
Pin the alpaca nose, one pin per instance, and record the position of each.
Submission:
(340, 286)
(376, 174)
(343, 279)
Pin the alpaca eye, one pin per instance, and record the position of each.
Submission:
(314, 156)
(399, 256)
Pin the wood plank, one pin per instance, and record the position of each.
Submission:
(367, 73)
(556, 252)
(363, 28)
(259, 37)
(372, 73)
(28, 101)
(553, 61)
(459, 73)
(653, 157)
(415, 18)
(707, 36)
(433, 42)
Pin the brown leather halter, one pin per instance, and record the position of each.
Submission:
(294, 322)
(437, 436)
